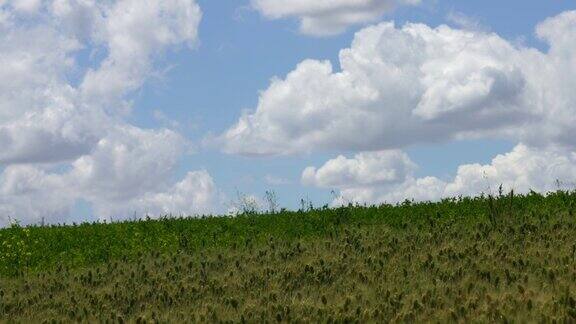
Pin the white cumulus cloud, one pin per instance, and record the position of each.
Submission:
(63, 131)
(29, 194)
(415, 84)
(128, 172)
(134, 32)
(328, 17)
(365, 169)
(195, 194)
(524, 168)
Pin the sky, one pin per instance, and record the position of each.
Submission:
(111, 110)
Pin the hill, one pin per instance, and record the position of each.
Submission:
(486, 258)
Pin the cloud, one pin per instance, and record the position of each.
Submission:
(399, 86)
(328, 17)
(524, 168)
(63, 127)
(415, 84)
(40, 119)
(29, 194)
(365, 169)
(26, 6)
(129, 172)
(48, 116)
(133, 33)
(195, 194)
(128, 162)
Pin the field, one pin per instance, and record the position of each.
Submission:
(486, 259)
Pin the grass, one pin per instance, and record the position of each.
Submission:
(508, 258)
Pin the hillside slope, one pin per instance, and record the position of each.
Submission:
(507, 258)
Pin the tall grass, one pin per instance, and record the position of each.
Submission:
(510, 257)
(37, 248)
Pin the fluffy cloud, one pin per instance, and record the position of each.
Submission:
(365, 169)
(134, 32)
(130, 173)
(195, 194)
(129, 161)
(63, 131)
(416, 84)
(26, 6)
(54, 109)
(524, 168)
(328, 17)
(39, 117)
(28, 194)
(127, 173)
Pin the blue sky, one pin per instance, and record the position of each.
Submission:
(187, 90)
(239, 51)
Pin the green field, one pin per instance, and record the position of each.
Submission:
(508, 258)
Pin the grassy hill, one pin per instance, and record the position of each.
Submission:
(487, 259)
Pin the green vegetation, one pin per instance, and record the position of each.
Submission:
(509, 258)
